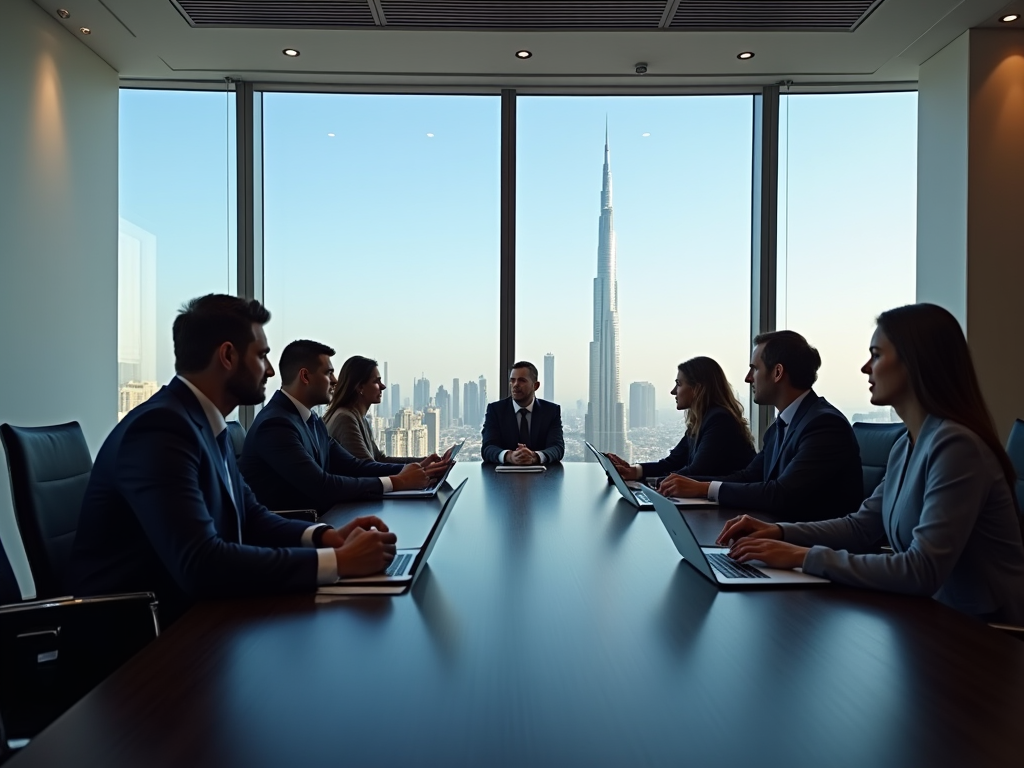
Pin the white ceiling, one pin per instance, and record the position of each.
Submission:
(151, 40)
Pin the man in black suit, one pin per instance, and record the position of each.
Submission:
(523, 429)
(166, 509)
(291, 462)
(810, 466)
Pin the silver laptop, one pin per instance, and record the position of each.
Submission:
(714, 562)
(408, 562)
(637, 493)
(431, 492)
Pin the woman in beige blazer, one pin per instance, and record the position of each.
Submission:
(360, 386)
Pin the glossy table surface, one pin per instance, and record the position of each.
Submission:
(556, 625)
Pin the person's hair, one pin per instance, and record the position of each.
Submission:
(789, 349)
(710, 388)
(355, 372)
(529, 366)
(301, 354)
(932, 347)
(203, 324)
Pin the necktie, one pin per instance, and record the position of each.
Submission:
(311, 424)
(222, 443)
(780, 434)
(524, 428)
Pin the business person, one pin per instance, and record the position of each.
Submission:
(360, 386)
(717, 439)
(522, 429)
(946, 504)
(291, 462)
(166, 509)
(810, 466)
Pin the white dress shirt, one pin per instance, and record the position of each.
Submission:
(529, 424)
(787, 416)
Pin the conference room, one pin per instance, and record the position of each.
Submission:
(604, 188)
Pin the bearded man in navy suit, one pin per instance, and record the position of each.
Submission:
(522, 429)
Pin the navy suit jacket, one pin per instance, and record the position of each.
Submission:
(158, 516)
(817, 477)
(501, 430)
(288, 466)
(722, 446)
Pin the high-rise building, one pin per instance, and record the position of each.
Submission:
(418, 441)
(641, 405)
(396, 406)
(396, 441)
(549, 377)
(136, 305)
(482, 382)
(605, 424)
(407, 418)
(432, 421)
(456, 394)
(444, 404)
(420, 394)
(385, 399)
(471, 404)
(132, 394)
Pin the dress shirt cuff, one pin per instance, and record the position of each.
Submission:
(327, 567)
(713, 487)
(639, 469)
(501, 457)
(541, 457)
(387, 484)
(307, 535)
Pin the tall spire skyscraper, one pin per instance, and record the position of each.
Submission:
(605, 424)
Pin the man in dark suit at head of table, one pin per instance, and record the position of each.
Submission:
(522, 429)
(166, 509)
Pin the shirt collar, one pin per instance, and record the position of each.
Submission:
(791, 409)
(528, 409)
(213, 414)
(304, 412)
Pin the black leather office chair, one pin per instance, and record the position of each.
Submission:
(876, 442)
(49, 468)
(236, 434)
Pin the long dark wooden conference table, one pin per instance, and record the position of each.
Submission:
(556, 625)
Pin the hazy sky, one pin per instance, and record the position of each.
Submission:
(382, 240)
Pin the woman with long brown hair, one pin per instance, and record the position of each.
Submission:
(946, 504)
(717, 439)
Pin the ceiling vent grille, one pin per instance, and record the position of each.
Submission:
(771, 14)
(278, 14)
(524, 14)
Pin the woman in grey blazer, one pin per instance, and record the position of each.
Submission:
(360, 386)
(946, 504)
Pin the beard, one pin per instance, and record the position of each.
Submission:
(244, 389)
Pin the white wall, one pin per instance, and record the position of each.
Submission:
(58, 236)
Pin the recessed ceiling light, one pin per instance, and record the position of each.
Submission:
(331, 135)
(645, 135)
(85, 31)
(523, 54)
(64, 13)
(290, 52)
(1010, 17)
(745, 55)
(430, 135)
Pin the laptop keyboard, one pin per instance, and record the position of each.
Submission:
(729, 567)
(397, 566)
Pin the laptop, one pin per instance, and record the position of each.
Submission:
(714, 562)
(636, 493)
(404, 569)
(431, 491)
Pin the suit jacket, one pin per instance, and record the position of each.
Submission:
(501, 430)
(158, 516)
(349, 428)
(722, 446)
(817, 477)
(950, 518)
(289, 466)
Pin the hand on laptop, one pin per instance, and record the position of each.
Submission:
(683, 488)
(625, 470)
(363, 551)
(745, 525)
(522, 455)
(412, 478)
(774, 554)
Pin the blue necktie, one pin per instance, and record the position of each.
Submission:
(222, 443)
(311, 423)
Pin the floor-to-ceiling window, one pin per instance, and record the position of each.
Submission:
(632, 255)
(847, 224)
(381, 220)
(176, 223)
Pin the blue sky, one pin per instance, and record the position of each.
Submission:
(382, 240)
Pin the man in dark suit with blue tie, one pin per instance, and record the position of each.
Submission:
(290, 461)
(810, 466)
(523, 429)
(166, 509)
